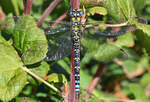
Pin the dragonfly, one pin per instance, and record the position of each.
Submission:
(60, 41)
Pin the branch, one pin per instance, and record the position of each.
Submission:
(60, 18)
(75, 4)
(27, 6)
(47, 12)
(95, 80)
(42, 80)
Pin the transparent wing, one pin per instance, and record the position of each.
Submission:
(113, 30)
(54, 27)
(59, 46)
(59, 38)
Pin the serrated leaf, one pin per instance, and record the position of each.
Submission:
(113, 9)
(123, 8)
(12, 82)
(97, 10)
(28, 36)
(12, 77)
(9, 55)
(127, 8)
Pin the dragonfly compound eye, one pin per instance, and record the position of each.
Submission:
(81, 13)
(71, 13)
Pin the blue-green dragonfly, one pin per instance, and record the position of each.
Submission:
(58, 39)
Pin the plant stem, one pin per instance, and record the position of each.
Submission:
(75, 4)
(95, 80)
(27, 6)
(42, 80)
(60, 18)
(47, 12)
(72, 80)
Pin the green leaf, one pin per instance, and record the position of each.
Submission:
(120, 9)
(85, 79)
(127, 8)
(15, 6)
(145, 28)
(106, 52)
(139, 5)
(138, 92)
(27, 99)
(12, 77)
(97, 10)
(12, 82)
(124, 40)
(10, 23)
(12, 6)
(130, 66)
(40, 71)
(30, 39)
(143, 39)
(145, 80)
(67, 3)
(57, 78)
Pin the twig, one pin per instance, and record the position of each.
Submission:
(27, 6)
(42, 80)
(48, 11)
(60, 18)
(71, 96)
(75, 4)
(109, 25)
(66, 92)
(95, 80)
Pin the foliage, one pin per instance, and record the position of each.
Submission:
(125, 77)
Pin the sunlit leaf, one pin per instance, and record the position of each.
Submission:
(12, 77)
(97, 10)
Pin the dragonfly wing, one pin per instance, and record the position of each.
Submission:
(54, 27)
(115, 31)
(59, 46)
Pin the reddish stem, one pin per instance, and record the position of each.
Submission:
(66, 92)
(60, 18)
(72, 80)
(48, 11)
(95, 80)
(75, 4)
(27, 7)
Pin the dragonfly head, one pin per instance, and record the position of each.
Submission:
(76, 13)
